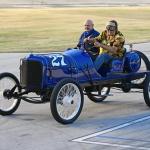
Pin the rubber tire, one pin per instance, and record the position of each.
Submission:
(126, 87)
(97, 100)
(146, 90)
(147, 64)
(3, 75)
(145, 59)
(54, 97)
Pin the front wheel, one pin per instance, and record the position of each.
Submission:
(146, 90)
(66, 101)
(8, 85)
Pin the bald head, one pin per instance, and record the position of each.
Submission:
(89, 25)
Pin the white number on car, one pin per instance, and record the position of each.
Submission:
(57, 60)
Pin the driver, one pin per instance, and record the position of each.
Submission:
(110, 42)
(89, 32)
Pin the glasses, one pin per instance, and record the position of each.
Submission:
(110, 28)
(86, 25)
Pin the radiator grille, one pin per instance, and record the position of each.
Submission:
(31, 74)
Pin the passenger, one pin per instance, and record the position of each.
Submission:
(89, 32)
(110, 42)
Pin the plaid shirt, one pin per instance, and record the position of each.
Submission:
(117, 41)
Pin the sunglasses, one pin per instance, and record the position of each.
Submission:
(110, 28)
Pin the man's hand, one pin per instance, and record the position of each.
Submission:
(85, 40)
(97, 44)
(89, 39)
(111, 49)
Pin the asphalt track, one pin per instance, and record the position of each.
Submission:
(121, 122)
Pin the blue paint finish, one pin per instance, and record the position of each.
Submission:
(117, 65)
(132, 62)
(78, 65)
(83, 63)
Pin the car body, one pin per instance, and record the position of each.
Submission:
(63, 78)
(49, 69)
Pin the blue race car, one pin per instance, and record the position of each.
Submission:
(64, 78)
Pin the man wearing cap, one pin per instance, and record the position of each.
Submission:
(110, 42)
(89, 32)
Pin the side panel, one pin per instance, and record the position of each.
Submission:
(60, 67)
(84, 64)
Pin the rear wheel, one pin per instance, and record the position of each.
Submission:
(66, 101)
(8, 85)
(146, 90)
(99, 95)
(145, 66)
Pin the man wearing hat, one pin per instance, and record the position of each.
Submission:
(110, 42)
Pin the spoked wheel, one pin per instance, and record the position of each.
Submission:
(8, 85)
(145, 66)
(98, 96)
(66, 101)
(146, 90)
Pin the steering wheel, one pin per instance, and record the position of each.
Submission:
(90, 48)
(88, 45)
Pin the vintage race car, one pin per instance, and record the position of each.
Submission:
(64, 78)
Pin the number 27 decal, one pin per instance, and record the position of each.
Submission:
(57, 60)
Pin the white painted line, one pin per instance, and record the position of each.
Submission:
(111, 129)
(115, 145)
(83, 139)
